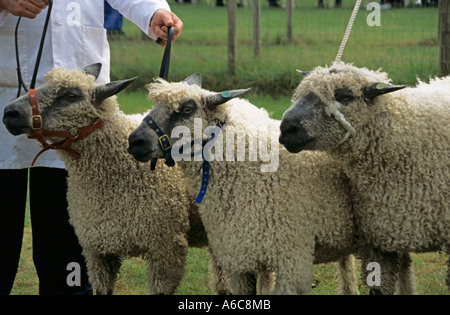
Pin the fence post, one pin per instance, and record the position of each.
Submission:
(444, 37)
(256, 14)
(289, 7)
(232, 41)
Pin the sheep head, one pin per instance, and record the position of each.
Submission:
(330, 105)
(177, 104)
(69, 99)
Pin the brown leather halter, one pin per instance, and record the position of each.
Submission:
(70, 136)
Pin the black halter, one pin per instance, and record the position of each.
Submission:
(164, 70)
(164, 142)
(166, 146)
(164, 139)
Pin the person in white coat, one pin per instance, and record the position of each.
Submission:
(75, 38)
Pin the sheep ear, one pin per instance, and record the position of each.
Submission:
(217, 99)
(93, 69)
(303, 73)
(102, 92)
(374, 89)
(195, 79)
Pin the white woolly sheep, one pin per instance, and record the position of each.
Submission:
(280, 215)
(118, 207)
(395, 148)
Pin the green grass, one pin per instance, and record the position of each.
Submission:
(430, 270)
(406, 46)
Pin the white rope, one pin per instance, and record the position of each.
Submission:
(348, 30)
(333, 109)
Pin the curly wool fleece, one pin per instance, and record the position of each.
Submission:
(283, 221)
(398, 160)
(118, 207)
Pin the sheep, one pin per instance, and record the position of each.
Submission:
(395, 149)
(118, 207)
(280, 216)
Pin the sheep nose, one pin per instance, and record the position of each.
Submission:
(135, 142)
(10, 113)
(294, 136)
(289, 126)
(10, 116)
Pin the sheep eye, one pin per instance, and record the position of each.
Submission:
(187, 107)
(345, 99)
(344, 96)
(71, 96)
(187, 110)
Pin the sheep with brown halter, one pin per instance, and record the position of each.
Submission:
(118, 207)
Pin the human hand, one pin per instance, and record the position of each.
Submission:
(160, 22)
(26, 8)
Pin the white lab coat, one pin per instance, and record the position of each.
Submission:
(75, 38)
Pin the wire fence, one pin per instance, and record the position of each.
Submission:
(402, 40)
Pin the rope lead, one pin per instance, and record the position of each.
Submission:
(347, 31)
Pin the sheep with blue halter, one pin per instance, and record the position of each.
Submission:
(118, 207)
(395, 149)
(263, 208)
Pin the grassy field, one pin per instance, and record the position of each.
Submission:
(430, 270)
(405, 45)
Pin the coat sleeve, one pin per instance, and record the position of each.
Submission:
(3, 16)
(140, 12)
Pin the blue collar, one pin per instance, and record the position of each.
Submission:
(205, 169)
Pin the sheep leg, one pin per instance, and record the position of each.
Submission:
(346, 276)
(380, 270)
(218, 280)
(243, 283)
(289, 284)
(166, 268)
(294, 276)
(248, 282)
(103, 271)
(406, 277)
(265, 282)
